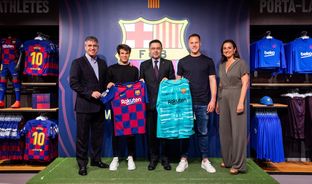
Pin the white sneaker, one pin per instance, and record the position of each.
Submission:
(208, 167)
(114, 164)
(131, 164)
(183, 164)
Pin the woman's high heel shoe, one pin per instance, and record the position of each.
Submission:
(234, 171)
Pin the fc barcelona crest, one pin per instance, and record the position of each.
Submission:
(183, 90)
(137, 92)
(139, 32)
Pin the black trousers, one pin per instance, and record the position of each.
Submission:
(184, 146)
(158, 148)
(130, 142)
(296, 107)
(89, 125)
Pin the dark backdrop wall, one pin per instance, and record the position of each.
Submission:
(215, 21)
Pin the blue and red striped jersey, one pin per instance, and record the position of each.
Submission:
(129, 107)
(10, 50)
(40, 58)
(41, 140)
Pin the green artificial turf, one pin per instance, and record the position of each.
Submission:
(65, 171)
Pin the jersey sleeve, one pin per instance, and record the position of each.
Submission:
(52, 47)
(212, 69)
(145, 92)
(289, 57)
(282, 56)
(108, 95)
(54, 130)
(25, 129)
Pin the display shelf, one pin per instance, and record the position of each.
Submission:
(28, 109)
(31, 84)
(286, 167)
(7, 166)
(275, 105)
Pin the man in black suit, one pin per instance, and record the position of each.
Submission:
(152, 71)
(87, 79)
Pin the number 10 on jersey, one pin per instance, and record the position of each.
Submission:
(36, 58)
(38, 138)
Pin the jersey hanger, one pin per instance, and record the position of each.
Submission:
(268, 35)
(41, 36)
(304, 35)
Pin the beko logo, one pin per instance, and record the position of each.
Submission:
(269, 53)
(305, 54)
(131, 101)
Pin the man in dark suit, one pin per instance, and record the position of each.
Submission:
(87, 79)
(152, 71)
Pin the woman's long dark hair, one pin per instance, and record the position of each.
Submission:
(236, 54)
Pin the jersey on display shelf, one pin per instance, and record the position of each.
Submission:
(267, 53)
(11, 149)
(174, 106)
(40, 58)
(267, 138)
(129, 106)
(9, 130)
(11, 146)
(41, 140)
(299, 56)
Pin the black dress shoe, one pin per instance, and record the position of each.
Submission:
(99, 164)
(166, 165)
(152, 165)
(82, 171)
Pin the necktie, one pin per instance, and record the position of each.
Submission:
(156, 69)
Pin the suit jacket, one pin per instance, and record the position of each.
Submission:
(147, 73)
(84, 81)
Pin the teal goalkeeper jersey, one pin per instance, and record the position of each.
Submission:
(175, 118)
